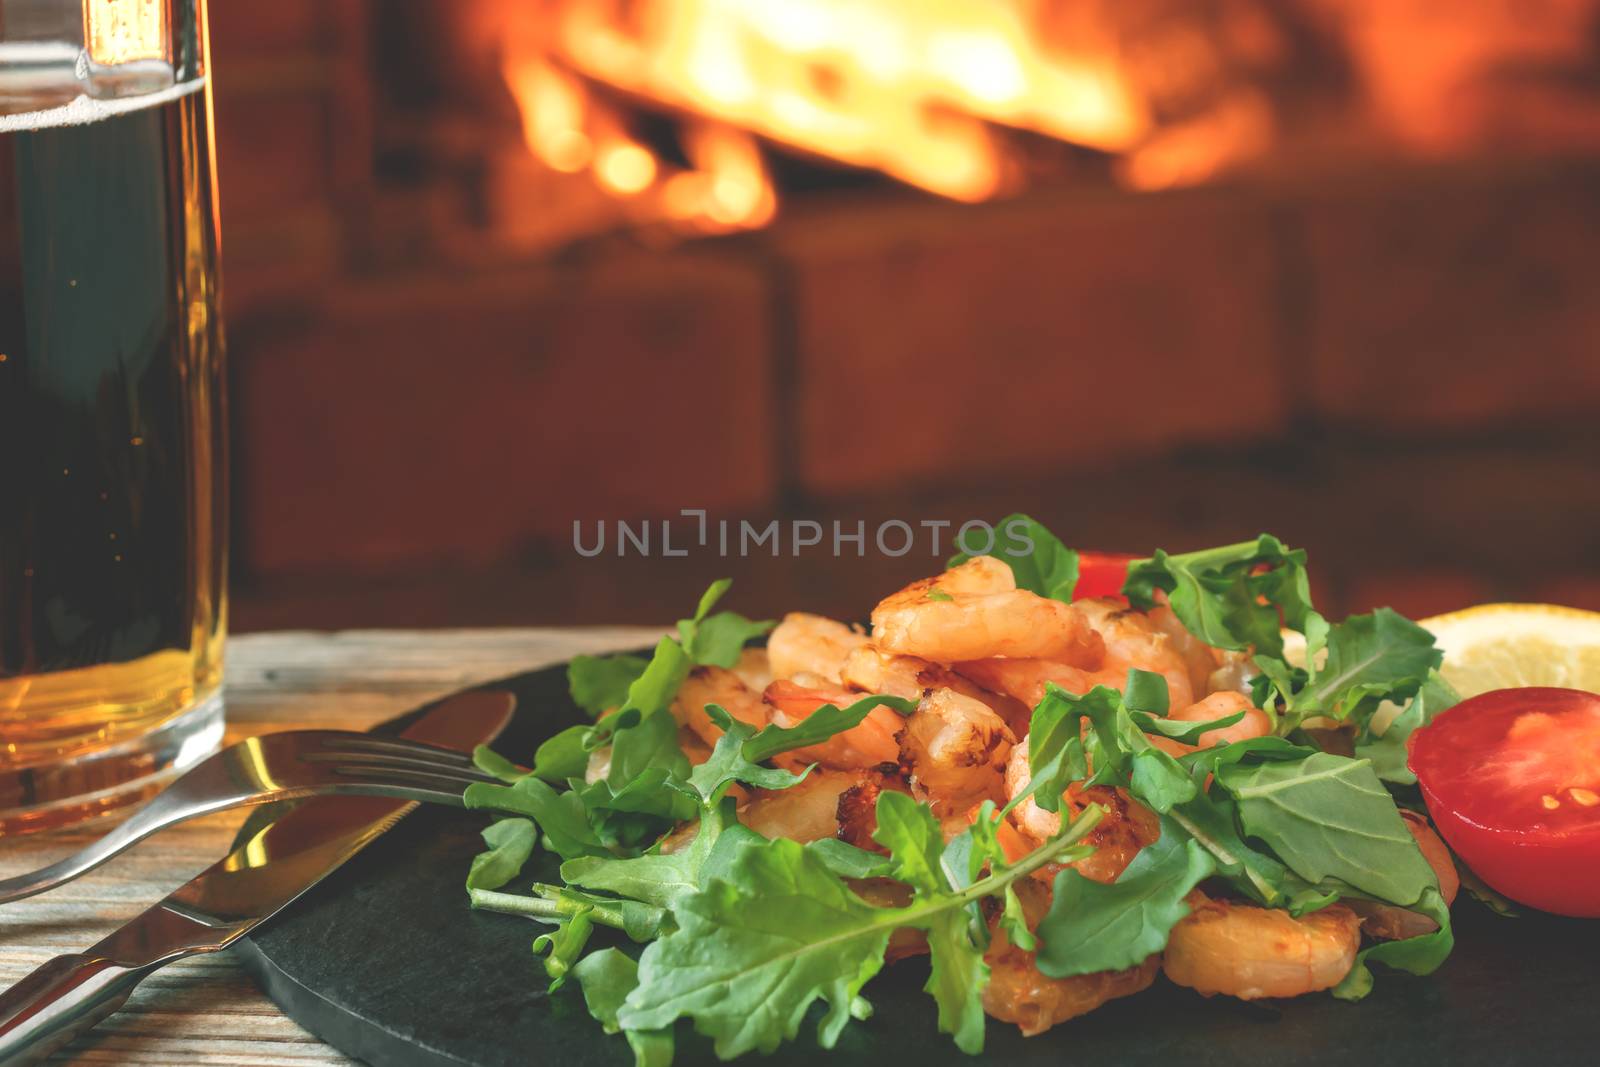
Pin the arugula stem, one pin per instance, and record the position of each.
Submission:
(544, 909)
(1205, 555)
(1040, 856)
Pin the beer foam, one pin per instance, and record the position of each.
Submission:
(83, 109)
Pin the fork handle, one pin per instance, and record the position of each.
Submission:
(59, 1001)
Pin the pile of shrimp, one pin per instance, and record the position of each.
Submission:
(975, 653)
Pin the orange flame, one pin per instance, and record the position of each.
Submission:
(913, 88)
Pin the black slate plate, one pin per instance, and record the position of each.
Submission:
(386, 962)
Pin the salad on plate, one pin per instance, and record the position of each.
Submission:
(1053, 797)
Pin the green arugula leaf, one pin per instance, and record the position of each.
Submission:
(1385, 743)
(1158, 779)
(958, 975)
(1211, 819)
(652, 743)
(1038, 559)
(607, 977)
(1096, 927)
(563, 755)
(564, 946)
(1116, 747)
(708, 600)
(492, 763)
(750, 956)
(728, 762)
(778, 931)
(1015, 922)
(662, 879)
(820, 725)
(654, 878)
(1329, 817)
(1189, 733)
(1420, 955)
(1254, 749)
(848, 861)
(1056, 752)
(1216, 592)
(510, 844)
(651, 692)
(978, 846)
(1379, 655)
(657, 878)
(601, 682)
(641, 790)
(1276, 677)
(1146, 691)
(649, 803)
(911, 834)
(717, 639)
(560, 815)
(720, 639)
(740, 751)
(963, 861)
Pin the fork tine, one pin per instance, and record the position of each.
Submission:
(397, 761)
(367, 743)
(451, 785)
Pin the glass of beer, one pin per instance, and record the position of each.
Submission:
(113, 491)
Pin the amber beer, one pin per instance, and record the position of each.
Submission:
(112, 450)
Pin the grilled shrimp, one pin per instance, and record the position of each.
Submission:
(1250, 952)
(857, 810)
(873, 670)
(975, 611)
(754, 668)
(1132, 640)
(1018, 993)
(807, 811)
(1035, 823)
(713, 685)
(870, 743)
(1024, 679)
(1127, 827)
(1256, 723)
(955, 748)
(811, 644)
(1200, 658)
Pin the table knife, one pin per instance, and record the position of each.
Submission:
(261, 876)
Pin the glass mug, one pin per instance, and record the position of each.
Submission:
(113, 484)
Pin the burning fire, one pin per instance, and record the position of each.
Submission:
(914, 88)
(929, 90)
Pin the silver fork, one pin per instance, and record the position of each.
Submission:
(260, 770)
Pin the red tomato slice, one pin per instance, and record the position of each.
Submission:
(1512, 780)
(1101, 574)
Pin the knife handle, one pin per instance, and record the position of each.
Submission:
(59, 1001)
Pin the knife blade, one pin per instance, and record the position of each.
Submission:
(264, 873)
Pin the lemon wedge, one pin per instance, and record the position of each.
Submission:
(1498, 646)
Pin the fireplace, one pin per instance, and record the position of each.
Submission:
(921, 254)
(703, 116)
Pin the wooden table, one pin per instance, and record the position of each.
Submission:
(205, 1010)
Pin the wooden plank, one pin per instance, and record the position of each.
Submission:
(206, 1011)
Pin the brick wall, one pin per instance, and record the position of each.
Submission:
(1394, 369)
